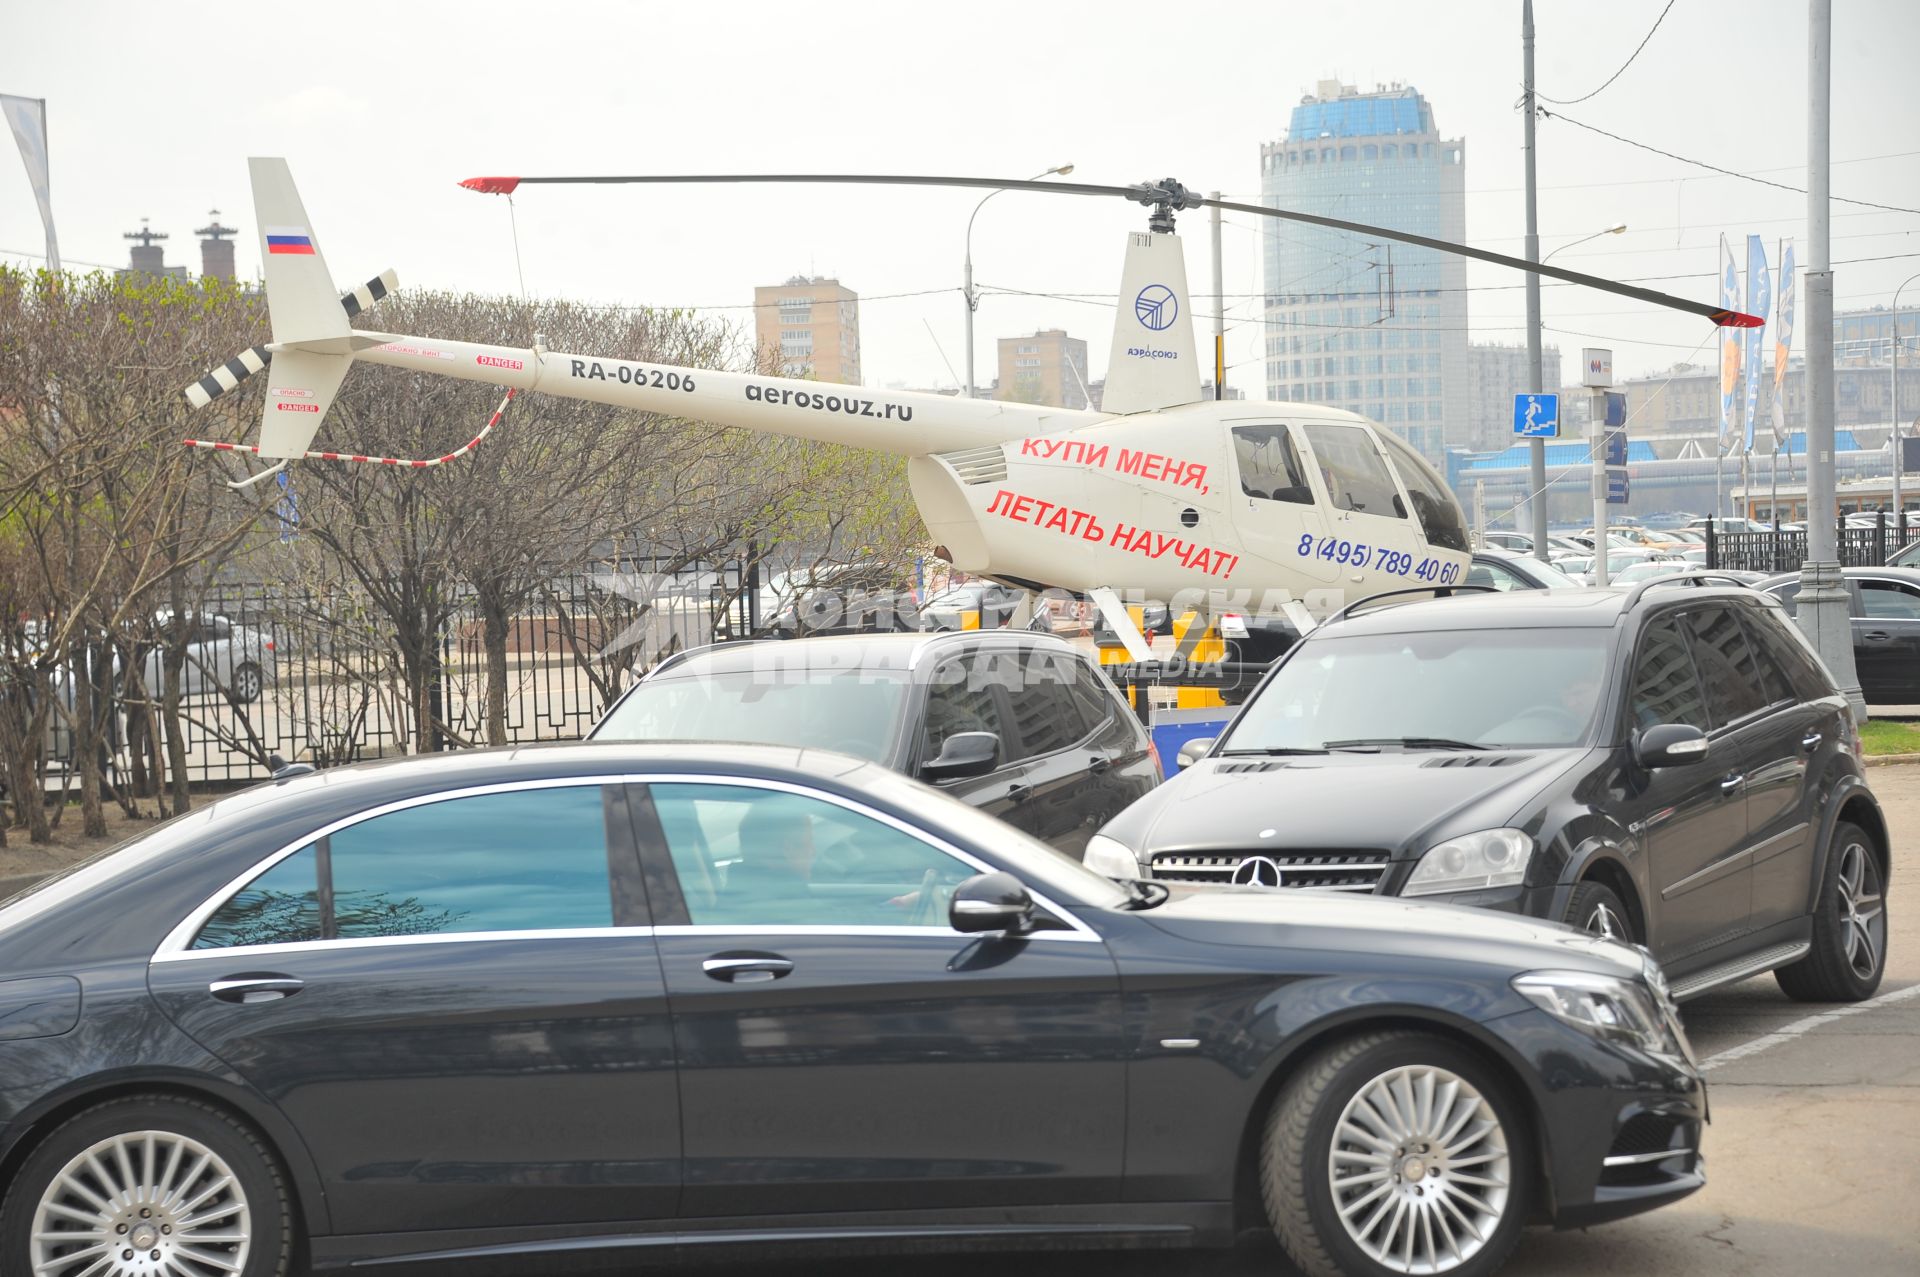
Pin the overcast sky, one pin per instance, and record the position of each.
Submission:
(381, 109)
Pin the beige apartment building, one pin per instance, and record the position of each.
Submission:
(814, 325)
(1047, 367)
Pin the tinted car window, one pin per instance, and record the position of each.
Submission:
(1494, 688)
(756, 857)
(1775, 683)
(1094, 695)
(281, 906)
(965, 697)
(1270, 464)
(1666, 688)
(529, 860)
(1044, 706)
(1889, 601)
(854, 711)
(1726, 664)
(1356, 477)
(1782, 639)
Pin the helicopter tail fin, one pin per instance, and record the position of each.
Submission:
(1152, 364)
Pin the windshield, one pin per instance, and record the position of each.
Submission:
(1486, 688)
(854, 712)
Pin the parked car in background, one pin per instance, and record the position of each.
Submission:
(1618, 560)
(1669, 765)
(1884, 604)
(223, 659)
(974, 605)
(1506, 570)
(1522, 543)
(1654, 569)
(1907, 558)
(754, 999)
(1021, 725)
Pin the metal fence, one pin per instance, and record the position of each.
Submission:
(333, 688)
(1776, 551)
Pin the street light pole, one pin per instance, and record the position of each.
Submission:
(1618, 228)
(973, 298)
(1536, 448)
(1893, 403)
(1822, 606)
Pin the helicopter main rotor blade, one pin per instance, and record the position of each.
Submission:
(1166, 195)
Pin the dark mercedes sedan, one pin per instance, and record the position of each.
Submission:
(610, 1004)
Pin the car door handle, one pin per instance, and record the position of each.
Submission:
(247, 990)
(746, 970)
(1729, 784)
(1018, 793)
(1098, 765)
(1811, 741)
(1877, 636)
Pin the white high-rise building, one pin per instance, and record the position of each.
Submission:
(1370, 326)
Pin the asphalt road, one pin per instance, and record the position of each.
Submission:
(1813, 1158)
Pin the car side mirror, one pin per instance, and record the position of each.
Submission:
(991, 902)
(964, 754)
(1669, 745)
(1194, 750)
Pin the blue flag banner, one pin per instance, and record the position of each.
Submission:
(1759, 299)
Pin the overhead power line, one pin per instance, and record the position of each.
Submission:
(1617, 74)
(1715, 168)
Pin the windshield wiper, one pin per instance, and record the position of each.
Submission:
(1145, 895)
(1405, 742)
(1269, 749)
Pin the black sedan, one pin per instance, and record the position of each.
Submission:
(1884, 604)
(606, 1004)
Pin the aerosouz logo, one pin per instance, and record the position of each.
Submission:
(1156, 307)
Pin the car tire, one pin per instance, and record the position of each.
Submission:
(1849, 953)
(247, 683)
(1361, 1228)
(1598, 910)
(124, 1162)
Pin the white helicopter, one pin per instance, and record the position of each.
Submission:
(1162, 493)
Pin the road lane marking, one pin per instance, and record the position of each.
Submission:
(1801, 1027)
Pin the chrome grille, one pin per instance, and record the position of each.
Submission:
(1332, 871)
(978, 465)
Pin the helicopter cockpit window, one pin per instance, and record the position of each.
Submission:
(1433, 505)
(1269, 465)
(1357, 479)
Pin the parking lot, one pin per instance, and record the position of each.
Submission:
(1811, 1160)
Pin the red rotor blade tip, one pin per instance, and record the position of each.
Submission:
(1738, 319)
(492, 185)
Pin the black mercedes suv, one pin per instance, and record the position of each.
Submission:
(1670, 765)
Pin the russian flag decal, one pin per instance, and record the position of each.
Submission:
(289, 239)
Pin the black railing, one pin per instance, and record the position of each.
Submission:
(331, 683)
(1777, 551)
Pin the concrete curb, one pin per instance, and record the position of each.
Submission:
(1891, 760)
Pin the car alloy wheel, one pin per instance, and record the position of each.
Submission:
(1847, 956)
(1419, 1170)
(1863, 914)
(247, 683)
(142, 1204)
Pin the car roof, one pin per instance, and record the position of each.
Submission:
(1514, 609)
(1905, 575)
(848, 651)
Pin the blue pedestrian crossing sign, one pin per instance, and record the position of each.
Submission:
(1536, 416)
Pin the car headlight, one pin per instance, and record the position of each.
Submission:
(1491, 858)
(1607, 1007)
(1114, 859)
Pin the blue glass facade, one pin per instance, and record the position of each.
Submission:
(1375, 328)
